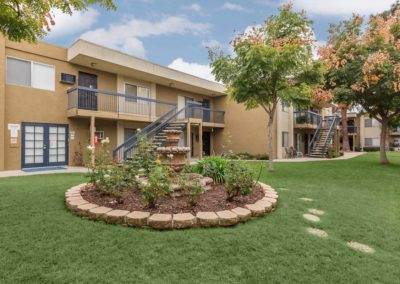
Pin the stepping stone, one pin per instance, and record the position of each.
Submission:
(266, 204)
(98, 213)
(227, 218)
(242, 213)
(83, 210)
(116, 216)
(256, 209)
(273, 201)
(306, 199)
(311, 217)
(316, 212)
(317, 232)
(137, 218)
(360, 247)
(207, 219)
(283, 189)
(183, 220)
(160, 221)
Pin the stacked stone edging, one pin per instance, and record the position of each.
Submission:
(77, 204)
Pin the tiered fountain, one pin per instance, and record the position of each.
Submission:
(173, 155)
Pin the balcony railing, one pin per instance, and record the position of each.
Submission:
(395, 130)
(83, 98)
(306, 117)
(206, 114)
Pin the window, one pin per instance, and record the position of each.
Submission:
(285, 107)
(285, 139)
(30, 74)
(136, 91)
(370, 122)
(372, 142)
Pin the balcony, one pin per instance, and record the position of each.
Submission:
(86, 102)
(352, 130)
(210, 117)
(395, 131)
(306, 119)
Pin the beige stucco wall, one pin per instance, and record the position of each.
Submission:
(2, 102)
(25, 104)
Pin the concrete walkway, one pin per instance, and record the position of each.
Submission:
(22, 173)
(346, 156)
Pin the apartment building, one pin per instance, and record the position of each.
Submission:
(54, 101)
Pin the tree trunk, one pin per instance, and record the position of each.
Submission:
(345, 130)
(384, 131)
(270, 146)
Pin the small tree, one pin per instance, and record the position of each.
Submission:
(369, 64)
(31, 20)
(273, 63)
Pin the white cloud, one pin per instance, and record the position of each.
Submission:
(212, 43)
(343, 7)
(70, 24)
(232, 6)
(194, 7)
(126, 36)
(196, 69)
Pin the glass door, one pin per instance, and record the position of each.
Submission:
(44, 145)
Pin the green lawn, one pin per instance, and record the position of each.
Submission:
(41, 242)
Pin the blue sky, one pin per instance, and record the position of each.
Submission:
(175, 33)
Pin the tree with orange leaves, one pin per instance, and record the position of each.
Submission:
(363, 67)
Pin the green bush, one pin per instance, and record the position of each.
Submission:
(262, 157)
(145, 158)
(158, 186)
(247, 156)
(239, 180)
(212, 166)
(371, 149)
(191, 186)
(108, 177)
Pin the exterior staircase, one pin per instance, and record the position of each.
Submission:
(323, 136)
(155, 131)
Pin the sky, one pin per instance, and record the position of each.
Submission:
(175, 33)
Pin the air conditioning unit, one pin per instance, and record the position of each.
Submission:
(68, 78)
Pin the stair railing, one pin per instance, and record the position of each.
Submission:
(334, 120)
(127, 149)
(316, 134)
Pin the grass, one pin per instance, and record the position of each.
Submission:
(41, 242)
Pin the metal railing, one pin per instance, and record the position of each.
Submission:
(206, 114)
(99, 100)
(306, 117)
(330, 123)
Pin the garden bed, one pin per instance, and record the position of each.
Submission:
(211, 210)
(214, 199)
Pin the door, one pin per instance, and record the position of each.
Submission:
(206, 143)
(44, 145)
(87, 99)
(206, 112)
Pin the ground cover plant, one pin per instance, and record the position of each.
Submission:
(41, 241)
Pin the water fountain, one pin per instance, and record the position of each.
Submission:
(173, 155)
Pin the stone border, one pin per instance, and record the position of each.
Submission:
(75, 202)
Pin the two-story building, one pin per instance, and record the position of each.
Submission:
(54, 101)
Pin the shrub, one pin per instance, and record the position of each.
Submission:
(192, 187)
(371, 149)
(158, 186)
(213, 167)
(108, 177)
(262, 157)
(145, 158)
(239, 180)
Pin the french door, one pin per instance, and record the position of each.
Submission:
(44, 145)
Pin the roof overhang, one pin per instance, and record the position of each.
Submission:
(102, 58)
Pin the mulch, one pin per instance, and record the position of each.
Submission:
(213, 199)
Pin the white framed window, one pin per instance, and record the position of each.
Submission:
(285, 107)
(285, 139)
(371, 122)
(372, 142)
(99, 135)
(136, 91)
(30, 74)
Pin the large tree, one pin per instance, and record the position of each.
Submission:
(31, 20)
(272, 64)
(343, 39)
(371, 65)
